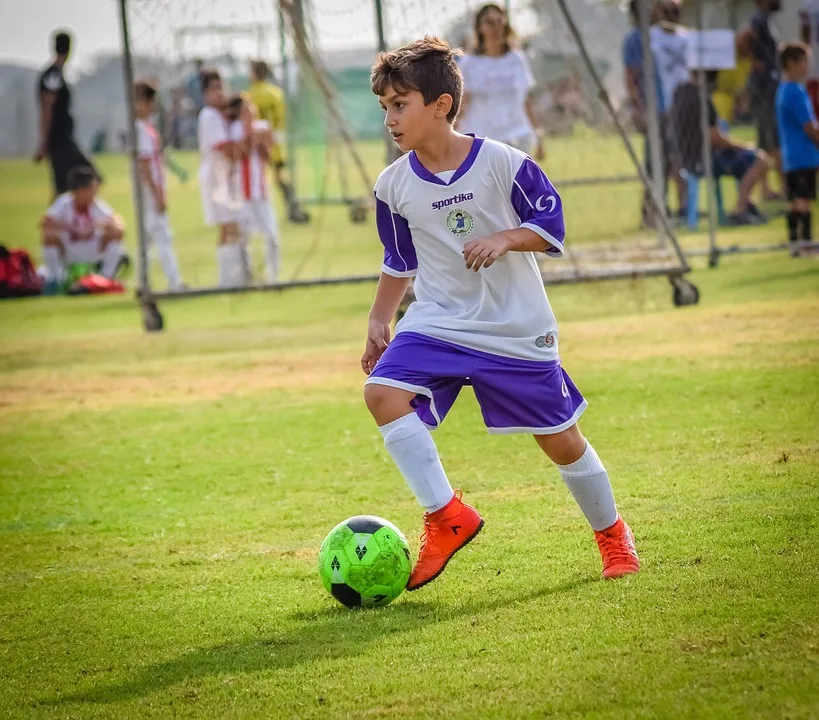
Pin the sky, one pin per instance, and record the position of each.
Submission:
(94, 24)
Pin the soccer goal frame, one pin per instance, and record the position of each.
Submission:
(673, 265)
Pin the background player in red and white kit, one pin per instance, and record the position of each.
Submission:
(253, 140)
(809, 18)
(81, 228)
(154, 186)
(216, 155)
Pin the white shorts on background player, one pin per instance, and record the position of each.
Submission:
(219, 206)
(250, 183)
(77, 250)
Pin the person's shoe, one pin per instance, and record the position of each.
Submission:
(617, 550)
(445, 532)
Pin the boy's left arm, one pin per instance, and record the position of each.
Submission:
(542, 229)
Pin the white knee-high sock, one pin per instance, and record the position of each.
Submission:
(271, 258)
(413, 450)
(589, 484)
(167, 258)
(110, 259)
(231, 265)
(54, 263)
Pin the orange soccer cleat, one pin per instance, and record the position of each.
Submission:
(445, 532)
(617, 549)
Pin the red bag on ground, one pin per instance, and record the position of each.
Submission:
(18, 277)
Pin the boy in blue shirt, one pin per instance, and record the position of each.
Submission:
(799, 137)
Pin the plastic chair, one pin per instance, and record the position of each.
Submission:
(694, 200)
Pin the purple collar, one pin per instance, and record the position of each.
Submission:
(425, 174)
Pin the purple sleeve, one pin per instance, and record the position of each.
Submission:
(538, 205)
(395, 236)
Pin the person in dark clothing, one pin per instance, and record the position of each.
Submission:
(729, 156)
(56, 140)
(760, 42)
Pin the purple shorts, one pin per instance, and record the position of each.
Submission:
(515, 396)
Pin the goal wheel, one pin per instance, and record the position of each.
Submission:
(713, 258)
(358, 214)
(685, 293)
(152, 319)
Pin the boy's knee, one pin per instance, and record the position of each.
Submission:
(51, 238)
(386, 403)
(564, 447)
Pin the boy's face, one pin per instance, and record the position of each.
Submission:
(83, 197)
(145, 108)
(215, 94)
(800, 69)
(409, 121)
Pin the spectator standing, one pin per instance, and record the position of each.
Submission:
(729, 156)
(799, 136)
(56, 141)
(809, 22)
(634, 68)
(194, 86)
(498, 83)
(669, 44)
(760, 41)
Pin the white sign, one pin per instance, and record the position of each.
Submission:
(711, 50)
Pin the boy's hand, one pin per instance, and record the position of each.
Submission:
(482, 252)
(378, 337)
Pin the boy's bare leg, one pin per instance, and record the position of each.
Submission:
(588, 482)
(449, 524)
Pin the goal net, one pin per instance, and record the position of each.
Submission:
(320, 52)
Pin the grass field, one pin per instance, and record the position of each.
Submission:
(162, 500)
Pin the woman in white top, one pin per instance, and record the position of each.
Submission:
(498, 82)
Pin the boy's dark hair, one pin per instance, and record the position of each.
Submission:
(62, 43)
(427, 66)
(260, 69)
(81, 177)
(634, 9)
(144, 90)
(208, 76)
(791, 53)
(233, 106)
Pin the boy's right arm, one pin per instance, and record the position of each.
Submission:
(388, 297)
(400, 265)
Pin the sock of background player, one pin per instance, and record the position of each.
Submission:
(167, 259)
(54, 263)
(110, 258)
(229, 258)
(807, 226)
(413, 451)
(793, 225)
(589, 484)
(271, 257)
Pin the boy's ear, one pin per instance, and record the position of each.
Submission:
(443, 105)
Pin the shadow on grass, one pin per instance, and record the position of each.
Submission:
(329, 634)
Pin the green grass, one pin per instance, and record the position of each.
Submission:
(163, 498)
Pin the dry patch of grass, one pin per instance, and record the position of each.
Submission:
(128, 373)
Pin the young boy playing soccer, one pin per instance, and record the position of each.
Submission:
(151, 159)
(799, 137)
(465, 216)
(79, 228)
(216, 155)
(253, 140)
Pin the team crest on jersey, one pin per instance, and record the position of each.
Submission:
(459, 222)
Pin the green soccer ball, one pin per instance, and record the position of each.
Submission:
(365, 562)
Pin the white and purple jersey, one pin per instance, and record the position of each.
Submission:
(424, 221)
